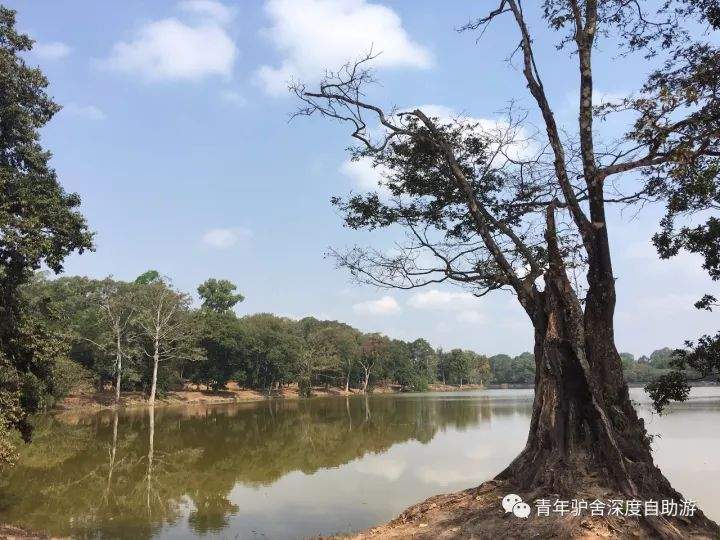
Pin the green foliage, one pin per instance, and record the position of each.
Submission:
(507, 370)
(218, 295)
(39, 225)
(146, 278)
(69, 376)
(223, 340)
(666, 388)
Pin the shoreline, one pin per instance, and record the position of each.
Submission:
(98, 401)
(105, 400)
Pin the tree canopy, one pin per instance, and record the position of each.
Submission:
(40, 224)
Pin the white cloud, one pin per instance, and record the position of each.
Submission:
(437, 299)
(463, 304)
(90, 112)
(470, 316)
(386, 305)
(171, 49)
(315, 35)
(209, 10)
(233, 97)
(517, 145)
(447, 476)
(226, 238)
(365, 176)
(53, 50)
(384, 467)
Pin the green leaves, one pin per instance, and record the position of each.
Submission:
(218, 295)
(40, 224)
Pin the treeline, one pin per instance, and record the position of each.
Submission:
(146, 335)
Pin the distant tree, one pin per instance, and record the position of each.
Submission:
(222, 338)
(117, 310)
(218, 295)
(40, 224)
(425, 359)
(374, 347)
(165, 326)
(342, 340)
(151, 276)
(272, 345)
(628, 360)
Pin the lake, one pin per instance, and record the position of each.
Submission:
(296, 468)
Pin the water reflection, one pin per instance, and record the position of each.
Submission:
(275, 469)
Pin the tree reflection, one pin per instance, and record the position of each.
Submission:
(127, 475)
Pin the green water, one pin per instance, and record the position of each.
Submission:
(293, 469)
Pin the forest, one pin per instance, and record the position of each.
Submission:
(146, 336)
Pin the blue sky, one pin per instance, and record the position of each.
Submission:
(175, 133)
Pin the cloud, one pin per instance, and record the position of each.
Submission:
(519, 145)
(171, 49)
(437, 299)
(226, 238)
(447, 476)
(53, 50)
(384, 467)
(463, 304)
(90, 112)
(386, 305)
(315, 35)
(470, 316)
(365, 176)
(234, 98)
(209, 10)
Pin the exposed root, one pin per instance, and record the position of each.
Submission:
(477, 513)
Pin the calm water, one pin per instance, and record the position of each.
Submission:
(292, 469)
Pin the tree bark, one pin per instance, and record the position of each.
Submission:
(366, 380)
(584, 427)
(347, 383)
(118, 368)
(156, 361)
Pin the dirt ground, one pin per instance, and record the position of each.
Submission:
(7, 532)
(192, 395)
(477, 514)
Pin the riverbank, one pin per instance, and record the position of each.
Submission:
(477, 513)
(8, 532)
(232, 394)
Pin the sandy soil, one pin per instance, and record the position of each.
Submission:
(477, 514)
(232, 394)
(8, 532)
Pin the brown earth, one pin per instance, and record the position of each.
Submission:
(8, 532)
(477, 514)
(192, 395)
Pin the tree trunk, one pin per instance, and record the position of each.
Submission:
(584, 428)
(347, 383)
(366, 379)
(118, 375)
(153, 386)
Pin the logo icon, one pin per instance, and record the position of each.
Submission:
(514, 503)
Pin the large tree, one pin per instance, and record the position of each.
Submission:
(219, 295)
(39, 225)
(499, 211)
(165, 328)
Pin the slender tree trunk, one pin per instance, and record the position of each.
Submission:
(366, 380)
(347, 382)
(156, 361)
(118, 369)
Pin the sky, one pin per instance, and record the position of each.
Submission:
(176, 133)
